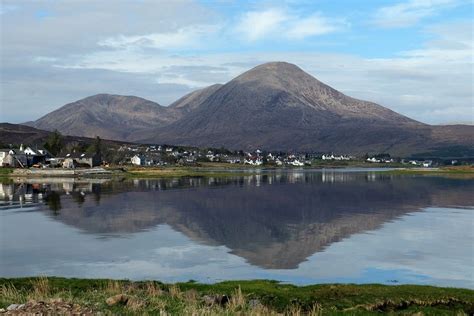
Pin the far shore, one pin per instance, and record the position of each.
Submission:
(220, 170)
(52, 295)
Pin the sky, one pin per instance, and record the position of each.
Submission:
(412, 56)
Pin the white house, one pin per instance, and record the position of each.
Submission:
(4, 159)
(373, 159)
(137, 160)
(254, 161)
(332, 157)
(296, 163)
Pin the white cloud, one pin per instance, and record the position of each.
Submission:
(315, 24)
(186, 37)
(410, 12)
(258, 24)
(278, 23)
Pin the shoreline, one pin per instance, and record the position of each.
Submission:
(258, 297)
(219, 170)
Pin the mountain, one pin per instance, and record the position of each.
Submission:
(105, 115)
(278, 106)
(274, 106)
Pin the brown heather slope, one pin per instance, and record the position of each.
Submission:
(16, 134)
(193, 100)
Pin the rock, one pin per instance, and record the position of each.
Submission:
(117, 299)
(215, 299)
(12, 307)
(56, 307)
(56, 300)
(209, 299)
(254, 303)
(2, 310)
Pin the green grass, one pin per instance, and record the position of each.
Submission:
(5, 171)
(176, 172)
(188, 298)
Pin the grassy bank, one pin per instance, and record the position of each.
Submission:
(177, 172)
(226, 170)
(229, 298)
(456, 171)
(4, 171)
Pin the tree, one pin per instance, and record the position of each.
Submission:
(96, 146)
(54, 144)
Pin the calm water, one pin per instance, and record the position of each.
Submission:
(298, 227)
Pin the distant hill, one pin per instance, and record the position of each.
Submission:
(274, 106)
(105, 115)
(22, 134)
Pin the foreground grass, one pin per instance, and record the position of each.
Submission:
(235, 298)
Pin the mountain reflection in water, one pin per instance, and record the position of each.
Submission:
(273, 221)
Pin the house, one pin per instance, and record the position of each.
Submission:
(23, 157)
(36, 156)
(10, 158)
(254, 161)
(373, 159)
(332, 157)
(427, 163)
(295, 162)
(138, 160)
(73, 160)
(232, 159)
(211, 156)
(3, 154)
(13, 158)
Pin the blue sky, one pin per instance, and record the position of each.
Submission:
(413, 56)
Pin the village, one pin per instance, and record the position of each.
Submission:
(135, 155)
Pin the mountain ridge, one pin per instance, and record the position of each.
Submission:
(273, 106)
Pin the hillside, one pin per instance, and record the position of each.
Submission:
(21, 134)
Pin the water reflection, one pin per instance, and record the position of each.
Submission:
(273, 220)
